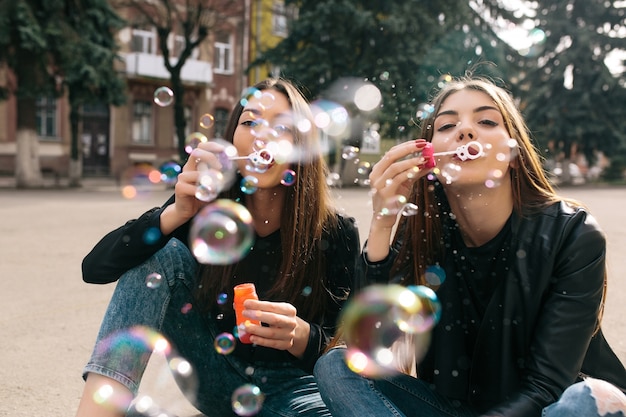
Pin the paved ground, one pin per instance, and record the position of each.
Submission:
(49, 317)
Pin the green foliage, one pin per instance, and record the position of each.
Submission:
(49, 44)
(568, 94)
(402, 47)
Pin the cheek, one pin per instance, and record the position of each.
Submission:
(441, 142)
(243, 142)
(500, 151)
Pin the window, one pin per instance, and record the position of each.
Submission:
(143, 41)
(223, 56)
(142, 122)
(221, 118)
(177, 45)
(279, 19)
(46, 117)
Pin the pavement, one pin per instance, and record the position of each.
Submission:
(49, 318)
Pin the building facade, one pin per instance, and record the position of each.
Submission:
(142, 131)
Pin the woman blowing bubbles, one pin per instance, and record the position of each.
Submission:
(302, 263)
(524, 276)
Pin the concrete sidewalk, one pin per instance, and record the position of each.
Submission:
(49, 318)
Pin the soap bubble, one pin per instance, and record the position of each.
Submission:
(430, 308)
(221, 233)
(224, 343)
(154, 280)
(375, 322)
(247, 400)
(207, 120)
(169, 172)
(193, 140)
(163, 96)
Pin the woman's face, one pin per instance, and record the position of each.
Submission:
(468, 116)
(265, 130)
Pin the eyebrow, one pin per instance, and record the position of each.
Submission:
(256, 112)
(476, 110)
(259, 113)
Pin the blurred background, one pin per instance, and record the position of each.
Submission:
(115, 89)
(102, 96)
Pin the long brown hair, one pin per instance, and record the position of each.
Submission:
(530, 186)
(307, 211)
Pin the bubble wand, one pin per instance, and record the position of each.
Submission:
(471, 150)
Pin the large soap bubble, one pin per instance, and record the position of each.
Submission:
(221, 233)
(378, 323)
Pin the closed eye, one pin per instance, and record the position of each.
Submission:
(282, 129)
(446, 126)
(488, 122)
(250, 123)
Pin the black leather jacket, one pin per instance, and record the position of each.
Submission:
(539, 333)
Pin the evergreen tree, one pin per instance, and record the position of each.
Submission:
(571, 100)
(48, 46)
(404, 48)
(91, 79)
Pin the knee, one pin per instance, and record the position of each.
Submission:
(607, 397)
(589, 397)
(163, 269)
(173, 261)
(328, 364)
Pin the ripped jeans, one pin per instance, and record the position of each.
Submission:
(591, 397)
(348, 394)
(141, 317)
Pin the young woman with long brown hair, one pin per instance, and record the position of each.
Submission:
(522, 291)
(302, 263)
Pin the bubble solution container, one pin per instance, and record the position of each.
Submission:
(244, 292)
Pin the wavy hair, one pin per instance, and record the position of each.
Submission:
(307, 210)
(530, 186)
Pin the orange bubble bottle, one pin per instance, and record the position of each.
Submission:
(244, 292)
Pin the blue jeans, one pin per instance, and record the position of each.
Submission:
(348, 394)
(123, 345)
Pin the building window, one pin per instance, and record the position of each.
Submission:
(46, 117)
(143, 41)
(279, 19)
(142, 122)
(221, 118)
(176, 44)
(223, 57)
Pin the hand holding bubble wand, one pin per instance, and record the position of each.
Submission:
(471, 150)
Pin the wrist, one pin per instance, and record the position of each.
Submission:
(170, 220)
(301, 339)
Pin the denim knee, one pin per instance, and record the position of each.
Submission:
(329, 365)
(136, 313)
(591, 397)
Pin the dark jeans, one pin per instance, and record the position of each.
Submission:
(138, 316)
(349, 394)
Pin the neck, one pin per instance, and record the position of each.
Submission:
(480, 213)
(265, 206)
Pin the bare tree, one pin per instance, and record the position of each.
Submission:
(193, 20)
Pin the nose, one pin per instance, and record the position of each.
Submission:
(466, 133)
